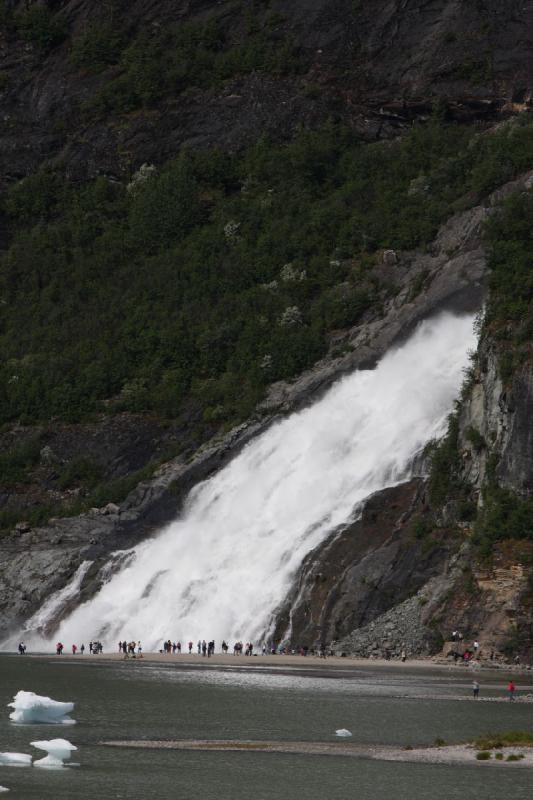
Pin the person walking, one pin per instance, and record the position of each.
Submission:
(511, 688)
(475, 689)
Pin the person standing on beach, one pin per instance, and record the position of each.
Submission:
(475, 689)
(511, 688)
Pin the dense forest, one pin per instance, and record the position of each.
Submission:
(207, 279)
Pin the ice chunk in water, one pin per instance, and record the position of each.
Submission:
(343, 733)
(3, 789)
(15, 760)
(59, 750)
(33, 708)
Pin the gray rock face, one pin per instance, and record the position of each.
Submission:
(415, 625)
(364, 570)
(501, 415)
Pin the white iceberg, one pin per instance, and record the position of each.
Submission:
(343, 733)
(59, 750)
(3, 789)
(33, 708)
(15, 760)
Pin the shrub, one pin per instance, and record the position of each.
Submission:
(98, 47)
(445, 482)
(504, 515)
(16, 462)
(483, 755)
(80, 472)
(498, 740)
(475, 438)
(40, 26)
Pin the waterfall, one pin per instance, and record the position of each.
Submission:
(222, 568)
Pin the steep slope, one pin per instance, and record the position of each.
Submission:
(100, 88)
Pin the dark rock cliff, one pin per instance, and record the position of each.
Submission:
(376, 65)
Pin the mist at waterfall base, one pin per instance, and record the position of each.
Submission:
(222, 568)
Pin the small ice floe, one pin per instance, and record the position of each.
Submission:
(3, 789)
(343, 733)
(33, 708)
(15, 760)
(59, 751)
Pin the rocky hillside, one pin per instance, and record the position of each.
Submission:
(209, 212)
(102, 87)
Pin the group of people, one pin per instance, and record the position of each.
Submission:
(130, 649)
(204, 648)
(238, 648)
(94, 647)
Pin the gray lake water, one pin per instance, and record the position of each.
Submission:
(129, 700)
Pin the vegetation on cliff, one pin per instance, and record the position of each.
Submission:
(510, 308)
(498, 516)
(205, 281)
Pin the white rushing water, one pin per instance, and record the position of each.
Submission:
(223, 567)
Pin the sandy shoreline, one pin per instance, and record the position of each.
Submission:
(451, 754)
(295, 662)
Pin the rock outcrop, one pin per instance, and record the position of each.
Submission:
(363, 571)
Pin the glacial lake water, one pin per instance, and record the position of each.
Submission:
(129, 700)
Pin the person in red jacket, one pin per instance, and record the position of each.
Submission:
(511, 688)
